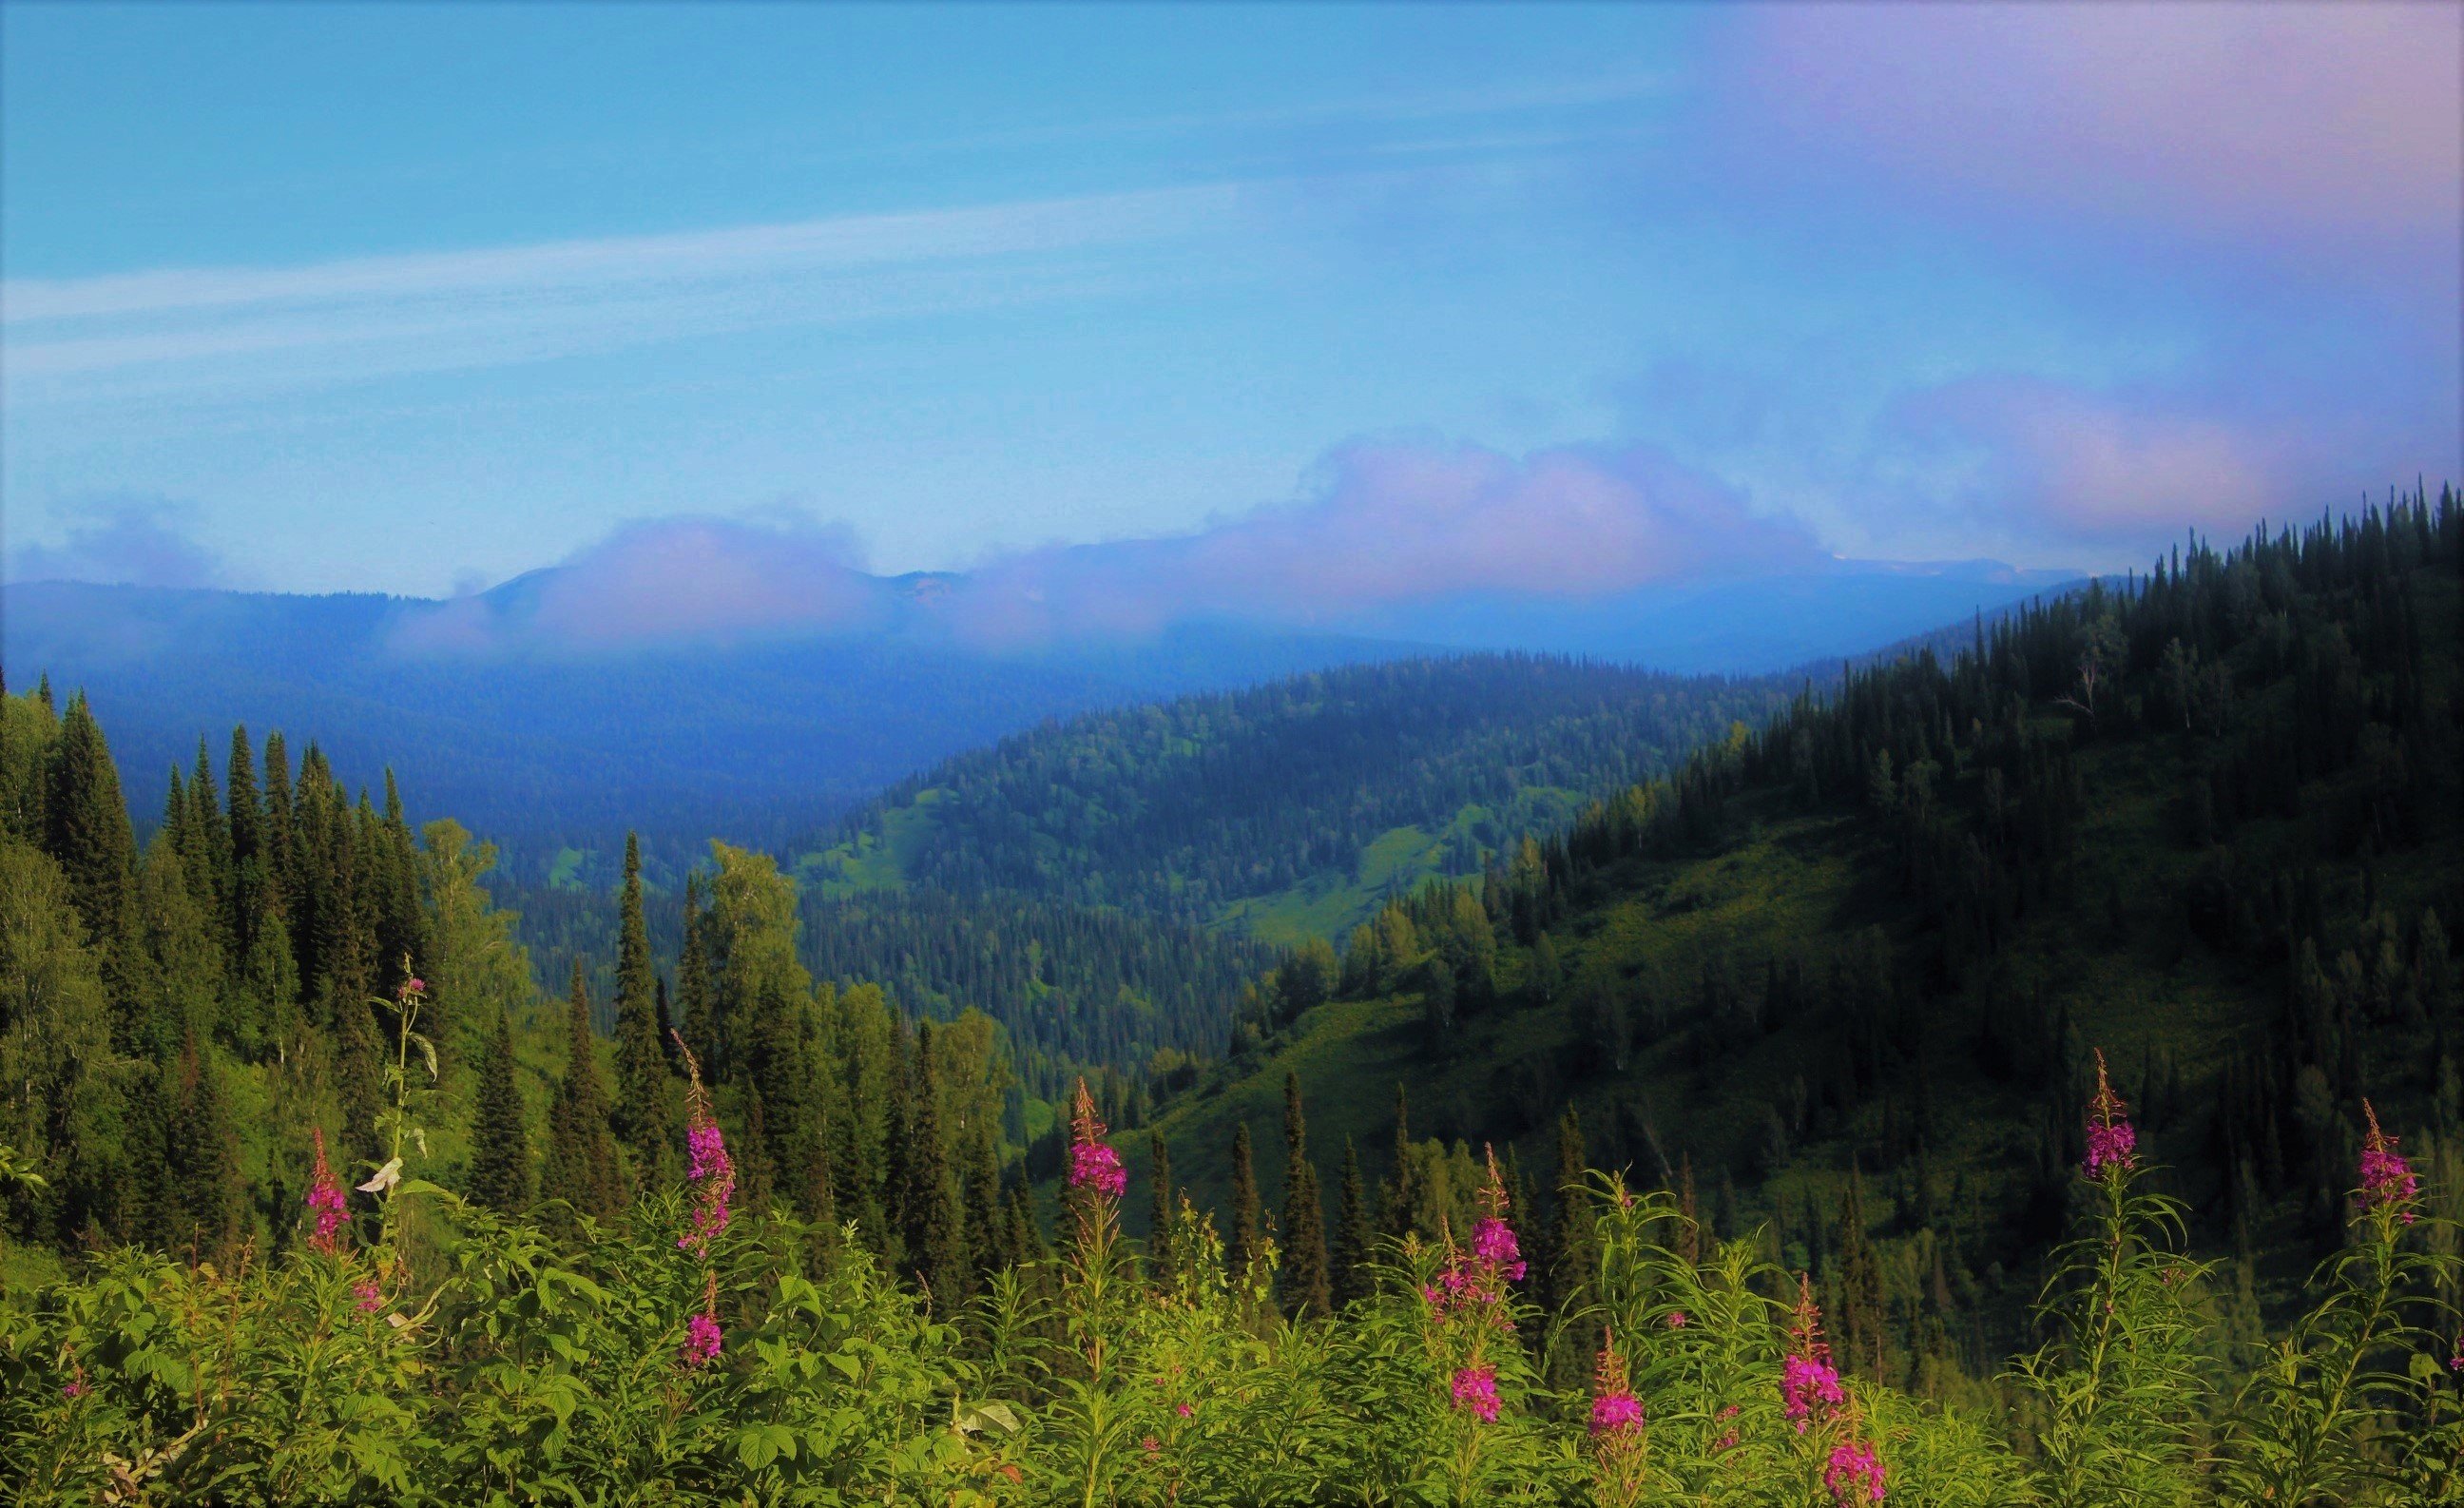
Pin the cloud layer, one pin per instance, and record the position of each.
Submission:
(2306, 120)
(1387, 526)
(124, 541)
(1398, 523)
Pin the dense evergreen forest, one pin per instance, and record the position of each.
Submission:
(1826, 981)
(1105, 887)
(2122, 924)
(1198, 807)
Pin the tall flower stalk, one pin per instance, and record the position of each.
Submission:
(712, 1177)
(2334, 1413)
(2119, 1387)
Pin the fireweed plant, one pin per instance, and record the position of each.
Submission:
(410, 1347)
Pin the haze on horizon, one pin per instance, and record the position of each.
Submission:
(1244, 308)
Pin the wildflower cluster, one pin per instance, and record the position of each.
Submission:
(1616, 1414)
(712, 1173)
(2388, 1182)
(1809, 1384)
(1475, 1390)
(326, 1202)
(1477, 1277)
(2112, 1140)
(1093, 1165)
(1854, 1474)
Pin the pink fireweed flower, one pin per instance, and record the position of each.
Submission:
(1855, 1475)
(327, 1200)
(2387, 1180)
(1152, 1446)
(2112, 1140)
(1808, 1383)
(702, 1340)
(1493, 1245)
(712, 1172)
(1615, 1412)
(1677, 1319)
(1475, 1389)
(370, 1297)
(1184, 1410)
(1807, 1386)
(1093, 1165)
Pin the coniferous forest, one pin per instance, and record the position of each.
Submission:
(2026, 1070)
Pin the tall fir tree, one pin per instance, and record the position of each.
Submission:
(1862, 1319)
(1304, 1288)
(1244, 1249)
(987, 1231)
(580, 1148)
(936, 1230)
(501, 1141)
(209, 1193)
(87, 832)
(693, 979)
(1162, 1267)
(1568, 1253)
(1354, 1277)
(1403, 1198)
(644, 1116)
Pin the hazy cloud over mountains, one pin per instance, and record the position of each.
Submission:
(134, 541)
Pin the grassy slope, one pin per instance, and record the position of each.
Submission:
(1808, 883)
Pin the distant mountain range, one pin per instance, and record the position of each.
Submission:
(556, 709)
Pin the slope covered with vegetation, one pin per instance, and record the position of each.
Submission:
(1827, 980)
(1292, 803)
(1829, 994)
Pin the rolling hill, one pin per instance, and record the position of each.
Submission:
(2207, 821)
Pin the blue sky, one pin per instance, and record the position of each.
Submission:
(403, 297)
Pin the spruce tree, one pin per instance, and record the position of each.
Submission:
(1248, 1213)
(934, 1228)
(1569, 1259)
(987, 1232)
(359, 1066)
(580, 1148)
(692, 981)
(1161, 1263)
(202, 1152)
(500, 1144)
(1403, 1199)
(643, 1118)
(245, 816)
(87, 832)
(1353, 1276)
(1303, 1279)
(1862, 1319)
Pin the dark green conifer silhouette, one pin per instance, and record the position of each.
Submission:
(644, 1119)
(1248, 1214)
(1353, 1278)
(501, 1141)
(1163, 1264)
(1302, 1282)
(581, 1149)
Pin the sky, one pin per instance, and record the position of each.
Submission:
(1238, 306)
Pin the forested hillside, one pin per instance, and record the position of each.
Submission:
(1285, 808)
(2123, 925)
(1828, 979)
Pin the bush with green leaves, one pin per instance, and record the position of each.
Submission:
(690, 1351)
